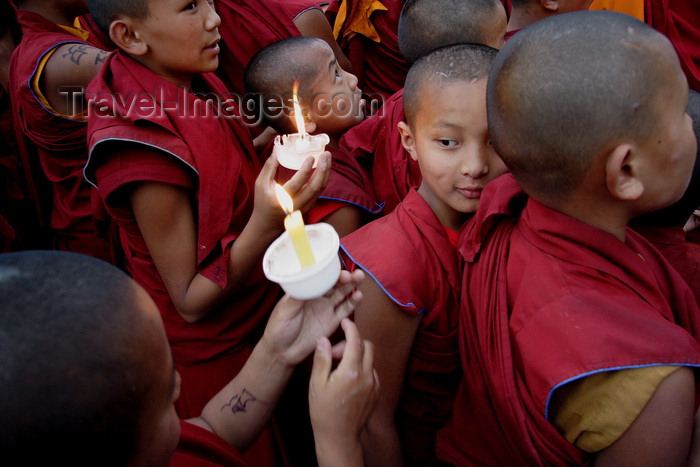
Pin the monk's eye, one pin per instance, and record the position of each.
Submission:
(190, 6)
(447, 143)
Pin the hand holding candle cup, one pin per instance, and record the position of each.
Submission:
(304, 259)
(291, 150)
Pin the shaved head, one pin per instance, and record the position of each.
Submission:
(567, 88)
(272, 72)
(454, 63)
(69, 336)
(425, 25)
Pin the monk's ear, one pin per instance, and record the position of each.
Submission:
(550, 5)
(621, 174)
(407, 139)
(126, 37)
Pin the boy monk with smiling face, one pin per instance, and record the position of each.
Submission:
(424, 25)
(412, 299)
(578, 338)
(195, 208)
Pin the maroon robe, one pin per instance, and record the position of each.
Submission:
(249, 25)
(409, 255)
(211, 154)
(679, 20)
(53, 148)
(546, 300)
(202, 448)
(682, 254)
(376, 143)
(380, 68)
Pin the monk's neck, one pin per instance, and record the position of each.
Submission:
(609, 218)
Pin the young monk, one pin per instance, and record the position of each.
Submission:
(578, 339)
(98, 389)
(423, 26)
(48, 74)
(411, 317)
(332, 103)
(525, 12)
(249, 25)
(180, 177)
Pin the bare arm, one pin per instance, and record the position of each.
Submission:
(241, 410)
(66, 75)
(314, 23)
(661, 435)
(165, 216)
(392, 331)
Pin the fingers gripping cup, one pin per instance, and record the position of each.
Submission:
(293, 149)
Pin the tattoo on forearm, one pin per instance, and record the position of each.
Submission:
(239, 402)
(76, 52)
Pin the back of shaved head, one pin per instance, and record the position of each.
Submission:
(567, 88)
(273, 70)
(68, 333)
(425, 25)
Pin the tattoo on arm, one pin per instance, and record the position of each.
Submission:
(101, 57)
(75, 53)
(239, 402)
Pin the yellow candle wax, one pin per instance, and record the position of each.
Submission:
(294, 225)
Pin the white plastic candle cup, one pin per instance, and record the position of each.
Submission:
(292, 150)
(281, 265)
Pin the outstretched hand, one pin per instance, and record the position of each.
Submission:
(341, 401)
(296, 325)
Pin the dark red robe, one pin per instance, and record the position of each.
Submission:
(679, 20)
(202, 448)
(376, 143)
(53, 148)
(546, 300)
(682, 254)
(409, 255)
(210, 153)
(249, 25)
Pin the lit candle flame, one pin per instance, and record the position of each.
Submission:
(298, 116)
(285, 200)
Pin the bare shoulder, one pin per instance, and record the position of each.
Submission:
(69, 70)
(661, 435)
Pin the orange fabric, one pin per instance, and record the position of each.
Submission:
(358, 20)
(631, 7)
